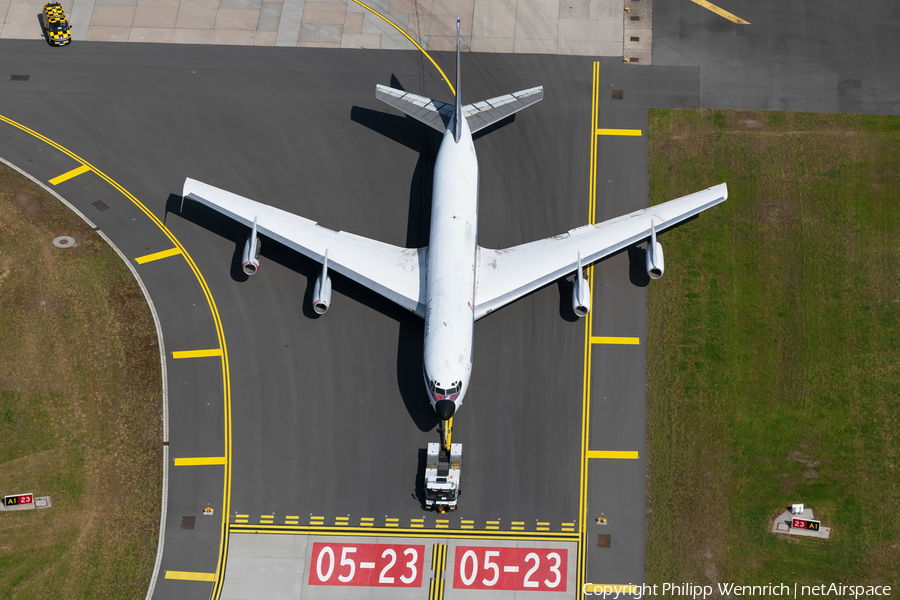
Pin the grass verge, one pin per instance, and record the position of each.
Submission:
(80, 408)
(773, 372)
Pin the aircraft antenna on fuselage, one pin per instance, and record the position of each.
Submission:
(457, 113)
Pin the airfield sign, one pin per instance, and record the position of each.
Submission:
(18, 500)
(805, 524)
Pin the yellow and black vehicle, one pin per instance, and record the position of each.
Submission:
(56, 27)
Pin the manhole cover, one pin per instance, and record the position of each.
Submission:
(64, 241)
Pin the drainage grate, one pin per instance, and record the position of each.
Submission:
(632, 59)
(635, 18)
(19, 77)
(100, 205)
(618, 94)
(635, 39)
(188, 522)
(603, 540)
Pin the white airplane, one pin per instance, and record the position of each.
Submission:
(453, 281)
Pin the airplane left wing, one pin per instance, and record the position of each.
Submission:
(396, 273)
(507, 275)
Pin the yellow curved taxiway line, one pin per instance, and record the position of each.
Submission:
(226, 378)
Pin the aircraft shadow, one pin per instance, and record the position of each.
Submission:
(411, 330)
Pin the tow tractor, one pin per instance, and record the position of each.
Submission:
(442, 469)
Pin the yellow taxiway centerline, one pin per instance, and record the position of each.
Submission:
(630, 341)
(721, 12)
(69, 175)
(197, 353)
(632, 132)
(157, 255)
(223, 353)
(395, 26)
(613, 454)
(201, 461)
(190, 576)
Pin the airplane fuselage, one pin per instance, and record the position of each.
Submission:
(450, 283)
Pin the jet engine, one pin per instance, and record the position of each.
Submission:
(581, 293)
(252, 248)
(321, 299)
(655, 263)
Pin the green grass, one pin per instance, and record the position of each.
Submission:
(80, 408)
(773, 346)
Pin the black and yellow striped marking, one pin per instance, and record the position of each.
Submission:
(438, 564)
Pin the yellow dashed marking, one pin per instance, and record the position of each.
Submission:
(631, 341)
(612, 454)
(190, 576)
(632, 132)
(720, 11)
(197, 353)
(67, 176)
(199, 462)
(157, 255)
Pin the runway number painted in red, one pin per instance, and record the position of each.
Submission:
(369, 565)
(523, 569)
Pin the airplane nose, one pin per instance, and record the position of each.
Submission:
(444, 409)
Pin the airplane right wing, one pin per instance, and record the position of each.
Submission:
(396, 273)
(506, 275)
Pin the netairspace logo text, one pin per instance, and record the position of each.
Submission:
(731, 590)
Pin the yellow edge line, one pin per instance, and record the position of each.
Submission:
(190, 576)
(69, 175)
(588, 328)
(720, 11)
(428, 56)
(197, 353)
(226, 374)
(634, 132)
(633, 341)
(157, 255)
(202, 461)
(612, 454)
(423, 533)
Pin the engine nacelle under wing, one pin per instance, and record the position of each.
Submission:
(321, 299)
(252, 248)
(656, 265)
(581, 293)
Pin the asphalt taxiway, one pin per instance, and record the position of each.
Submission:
(321, 421)
(323, 417)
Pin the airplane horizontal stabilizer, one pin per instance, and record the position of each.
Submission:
(487, 112)
(431, 112)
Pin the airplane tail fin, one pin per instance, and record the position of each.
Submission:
(442, 116)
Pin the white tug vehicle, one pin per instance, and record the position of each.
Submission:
(442, 469)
